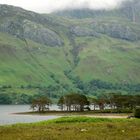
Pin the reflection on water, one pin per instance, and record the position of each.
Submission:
(7, 116)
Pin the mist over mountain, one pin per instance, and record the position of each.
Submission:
(127, 9)
(81, 50)
(49, 6)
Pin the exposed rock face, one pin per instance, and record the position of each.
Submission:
(33, 31)
(83, 31)
(30, 25)
(12, 27)
(113, 29)
(41, 34)
(22, 27)
(117, 30)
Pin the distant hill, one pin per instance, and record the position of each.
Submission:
(71, 51)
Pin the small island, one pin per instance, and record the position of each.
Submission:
(110, 106)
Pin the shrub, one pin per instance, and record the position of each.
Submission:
(137, 112)
(5, 98)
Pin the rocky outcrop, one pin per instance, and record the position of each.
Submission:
(112, 29)
(83, 31)
(41, 34)
(31, 30)
(117, 30)
(28, 25)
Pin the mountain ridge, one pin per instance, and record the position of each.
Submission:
(64, 54)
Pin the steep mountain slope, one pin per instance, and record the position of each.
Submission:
(70, 54)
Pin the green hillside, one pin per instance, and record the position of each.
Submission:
(59, 54)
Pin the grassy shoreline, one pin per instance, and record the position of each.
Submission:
(74, 113)
(74, 128)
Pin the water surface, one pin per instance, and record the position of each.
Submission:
(7, 116)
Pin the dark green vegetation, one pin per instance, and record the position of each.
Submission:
(137, 112)
(91, 52)
(107, 103)
(70, 128)
(75, 102)
(41, 104)
(78, 103)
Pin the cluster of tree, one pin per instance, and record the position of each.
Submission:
(9, 97)
(51, 91)
(86, 88)
(79, 84)
(137, 112)
(96, 84)
(73, 102)
(94, 88)
(41, 104)
(116, 101)
(106, 85)
(14, 98)
(5, 86)
(79, 102)
(5, 99)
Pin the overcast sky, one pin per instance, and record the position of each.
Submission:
(47, 6)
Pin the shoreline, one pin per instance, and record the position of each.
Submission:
(79, 128)
(73, 113)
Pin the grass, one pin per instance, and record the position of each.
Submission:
(108, 59)
(99, 59)
(68, 113)
(19, 66)
(74, 128)
(104, 58)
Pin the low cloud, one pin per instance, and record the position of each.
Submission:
(47, 6)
